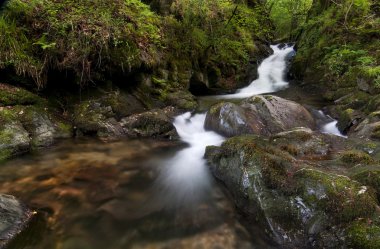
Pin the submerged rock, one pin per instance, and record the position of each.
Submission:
(262, 115)
(298, 205)
(14, 218)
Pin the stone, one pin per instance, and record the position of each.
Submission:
(262, 115)
(296, 204)
(155, 123)
(14, 218)
(14, 140)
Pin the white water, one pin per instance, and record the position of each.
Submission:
(332, 128)
(184, 179)
(329, 125)
(271, 75)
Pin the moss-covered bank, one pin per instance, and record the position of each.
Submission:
(338, 52)
(94, 41)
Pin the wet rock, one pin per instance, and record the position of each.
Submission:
(94, 118)
(362, 234)
(14, 218)
(182, 100)
(368, 176)
(231, 120)
(33, 127)
(122, 103)
(154, 123)
(349, 118)
(303, 142)
(298, 206)
(352, 157)
(263, 115)
(369, 127)
(26, 122)
(14, 140)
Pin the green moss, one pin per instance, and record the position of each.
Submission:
(356, 157)
(341, 198)
(376, 132)
(363, 235)
(369, 177)
(274, 163)
(10, 95)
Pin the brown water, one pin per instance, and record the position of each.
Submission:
(91, 194)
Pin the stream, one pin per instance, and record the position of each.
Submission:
(140, 193)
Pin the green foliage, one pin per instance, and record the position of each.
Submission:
(81, 36)
(287, 15)
(217, 31)
(340, 42)
(94, 38)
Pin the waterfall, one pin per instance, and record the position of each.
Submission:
(271, 74)
(185, 178)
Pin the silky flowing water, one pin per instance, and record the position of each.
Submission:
(137, 193)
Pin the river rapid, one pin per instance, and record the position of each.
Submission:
(140, 193)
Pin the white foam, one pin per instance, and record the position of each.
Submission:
(271, 75)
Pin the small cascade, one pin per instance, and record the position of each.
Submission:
(271, 74)
(185, 179)
(328, 125)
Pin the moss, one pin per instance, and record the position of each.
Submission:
(376, 132)
(275, 165)
(340, 197)
(356, 157)
(362, 234)
(369, 177)
(10, 95)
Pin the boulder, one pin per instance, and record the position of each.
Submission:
(11, 95)
(23, 128)
(14, 218)
(296, 204)
(262, 115)
(92, 117)
(14, 140)
(369, 127)
(154, 123)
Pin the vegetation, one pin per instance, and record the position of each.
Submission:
(92, 39)
(340, 40)
(288, 15)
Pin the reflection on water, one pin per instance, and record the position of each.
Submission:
(114, 195)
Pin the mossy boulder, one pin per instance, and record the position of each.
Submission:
(303, 142)
(369, 128)
(353, 157)
(14, 218)
(263, 115)
(298, 205)
(155, 123)
(92, 117)
(368, 176)
(364, 234)
(341, 198)
(23, 128)
(14, 140)
(347, 119)
(11, 95)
